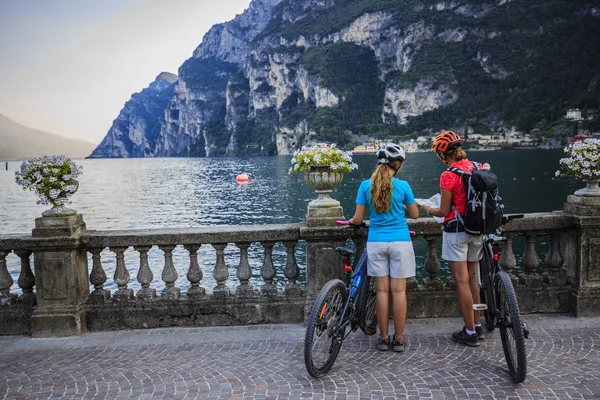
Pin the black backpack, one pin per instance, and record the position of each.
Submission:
(484, 205)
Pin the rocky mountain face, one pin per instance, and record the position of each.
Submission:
(287, 73)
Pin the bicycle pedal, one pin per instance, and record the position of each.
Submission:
(480, 307)
(525, 330)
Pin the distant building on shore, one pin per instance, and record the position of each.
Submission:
(574, 114)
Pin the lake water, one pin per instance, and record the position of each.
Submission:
(191, 192)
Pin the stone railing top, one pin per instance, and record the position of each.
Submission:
(183, 236)
(535, 222)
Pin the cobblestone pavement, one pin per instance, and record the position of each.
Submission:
(266, 362)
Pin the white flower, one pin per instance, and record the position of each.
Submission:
(583, 159)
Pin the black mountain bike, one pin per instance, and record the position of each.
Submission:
(340, 308)
(500, 306)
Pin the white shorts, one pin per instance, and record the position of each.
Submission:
(395, 259)
(460, 246)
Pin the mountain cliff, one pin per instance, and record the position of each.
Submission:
(290, 72)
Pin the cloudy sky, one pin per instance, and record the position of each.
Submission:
(68, 66)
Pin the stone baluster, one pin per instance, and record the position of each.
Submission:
(169, 275)
(267, 271)
(244, 273)
(121, 276)
(530, 262)
(194, 274)
(432, 265)
(145, 275)
(508, 261)
(26, 278)
(412, 284)
(554, 261)
(98, 278)
(220, 273)
(6, 282)
(291, 270)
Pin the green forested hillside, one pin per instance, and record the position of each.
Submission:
(548, 51)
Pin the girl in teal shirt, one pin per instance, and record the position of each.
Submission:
(391, 258)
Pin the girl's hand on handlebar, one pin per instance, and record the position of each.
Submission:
(350, 223)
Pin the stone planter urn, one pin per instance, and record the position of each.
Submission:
(59, 211)
(591, 190)
(323, 211)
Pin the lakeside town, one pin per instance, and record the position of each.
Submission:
(498, 141)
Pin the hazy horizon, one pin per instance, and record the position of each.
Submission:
(69, 66)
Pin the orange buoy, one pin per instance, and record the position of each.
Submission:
(241, 178)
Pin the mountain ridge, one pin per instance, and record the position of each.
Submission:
(289, 73)
(18, 142)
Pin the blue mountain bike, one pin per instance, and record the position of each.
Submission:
(340, 308)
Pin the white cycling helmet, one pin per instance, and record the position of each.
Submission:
(390, 152)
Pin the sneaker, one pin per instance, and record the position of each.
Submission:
(464, 338)
(479, 331)
(398, 345)
(383, 344)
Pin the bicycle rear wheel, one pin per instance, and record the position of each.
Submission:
(322, 341)
(366, 305)
(511, 329)
(486, 293)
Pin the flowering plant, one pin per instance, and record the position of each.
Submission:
(583, 160)
(52, 178)
(322, 155)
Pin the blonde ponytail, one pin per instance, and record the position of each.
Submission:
(381, 186)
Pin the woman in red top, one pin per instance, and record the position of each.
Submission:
(462, 251)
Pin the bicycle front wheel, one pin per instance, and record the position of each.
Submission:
(322, 342)
(367, 300)
(486, 293)
(511, 329)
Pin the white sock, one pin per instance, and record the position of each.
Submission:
(470, 332)
(477, 325)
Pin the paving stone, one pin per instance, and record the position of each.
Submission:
(266, 362)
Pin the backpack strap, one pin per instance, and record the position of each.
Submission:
(465, 177)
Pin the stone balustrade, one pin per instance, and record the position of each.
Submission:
(71, 291)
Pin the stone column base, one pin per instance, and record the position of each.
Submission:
(584, 206)
(323, 216)
(584, 302)
(58, 321)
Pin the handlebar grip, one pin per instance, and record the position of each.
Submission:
(507, 218)
(347, 223)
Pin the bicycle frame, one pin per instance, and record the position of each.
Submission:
(488, 252)
(353, 283)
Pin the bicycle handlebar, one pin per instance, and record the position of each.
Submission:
(507, 218)
(347, 223)
(413, 234)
